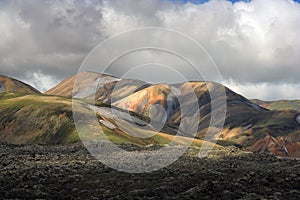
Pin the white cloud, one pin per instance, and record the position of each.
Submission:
(253, 42)
(52, 37)
(265, 91)
(114, 22)
(41, 81)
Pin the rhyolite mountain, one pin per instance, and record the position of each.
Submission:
(247, 124)
(48, 118)
(31, 118)
(8, 84)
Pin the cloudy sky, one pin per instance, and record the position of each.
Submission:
(255, 44)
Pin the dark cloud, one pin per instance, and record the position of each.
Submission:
(49, 38)
(254, 44)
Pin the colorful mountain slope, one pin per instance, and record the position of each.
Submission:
(8, 84)
(86, 79)
(247, 124)
(156, 111)
(31, 119)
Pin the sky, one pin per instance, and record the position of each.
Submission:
(255, 44)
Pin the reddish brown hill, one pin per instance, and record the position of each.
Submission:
(8, 84)
(85, 80)
(65, 88)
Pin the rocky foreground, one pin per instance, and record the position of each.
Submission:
(70, 172)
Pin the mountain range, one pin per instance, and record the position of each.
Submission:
(155, 114)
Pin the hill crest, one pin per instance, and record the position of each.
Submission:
(11, 85)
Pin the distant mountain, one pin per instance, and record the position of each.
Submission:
(8, 84)
(247, 124)
(279, 105)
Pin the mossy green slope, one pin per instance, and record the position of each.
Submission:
(279, 105)
(29, 118)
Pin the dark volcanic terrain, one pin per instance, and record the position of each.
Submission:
(69, 172)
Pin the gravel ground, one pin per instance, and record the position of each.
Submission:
(70, 172)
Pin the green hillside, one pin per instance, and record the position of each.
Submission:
(30, 118)
(279, 105)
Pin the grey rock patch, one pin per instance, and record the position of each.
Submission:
(2, 87)
(298, 119)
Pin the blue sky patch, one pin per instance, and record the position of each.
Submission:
(203, 1)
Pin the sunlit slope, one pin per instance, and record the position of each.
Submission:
(119, 127)
(85, 81)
